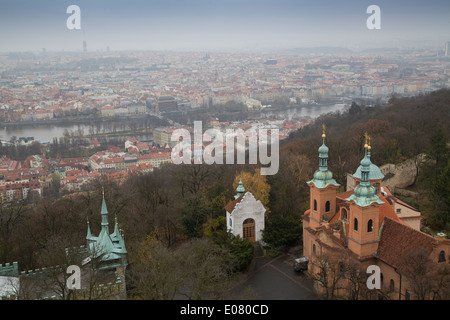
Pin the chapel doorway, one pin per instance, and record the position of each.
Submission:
(248, 230)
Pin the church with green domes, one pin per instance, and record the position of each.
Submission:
(102, 263)
(362, 226)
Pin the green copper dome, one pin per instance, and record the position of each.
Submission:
(364, 193)
(374, 171)
(323, 177)
(323, 150)
(240, 189)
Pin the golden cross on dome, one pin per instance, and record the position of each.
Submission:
(367, 145)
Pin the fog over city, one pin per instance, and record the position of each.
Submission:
(220, 25)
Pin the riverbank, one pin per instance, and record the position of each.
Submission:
(46, 131)
(69, 122)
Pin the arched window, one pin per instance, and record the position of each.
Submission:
(441, 256)
(370, 226)
(355, 224)
(314, 248)
(407, 295)
(315, 205)
(391, 285)
(344, 214)
(327, 206)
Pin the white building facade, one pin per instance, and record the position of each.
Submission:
(245, 216)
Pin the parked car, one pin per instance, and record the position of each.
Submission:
(301, 264)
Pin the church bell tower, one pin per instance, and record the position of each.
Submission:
(322, 189)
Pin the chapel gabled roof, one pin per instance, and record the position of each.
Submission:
(230, 206)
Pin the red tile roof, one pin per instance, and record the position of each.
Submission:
(386, 209)
(398, 241)
(230, 206)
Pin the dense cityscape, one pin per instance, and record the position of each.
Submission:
(45, 88)
(48, 86)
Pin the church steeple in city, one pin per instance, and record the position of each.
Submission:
(110, 248)
(323, 177)
(322, 189)
(89, 233)
(104, 213)
(240, 189)
(364, 193)
(323, 153)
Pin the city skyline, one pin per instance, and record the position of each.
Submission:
(221, 25)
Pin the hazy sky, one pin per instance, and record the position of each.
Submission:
(220, 24)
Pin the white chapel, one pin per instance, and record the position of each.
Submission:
(245, 215)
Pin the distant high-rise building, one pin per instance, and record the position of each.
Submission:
(447, 49)
(84, 46)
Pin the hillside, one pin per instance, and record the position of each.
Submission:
(401, 130)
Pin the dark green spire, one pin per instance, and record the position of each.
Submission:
(104, 213)
(240, 189)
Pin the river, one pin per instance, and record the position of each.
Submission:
(46, 132)
(312, 111)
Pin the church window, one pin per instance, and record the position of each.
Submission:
(407, 295)
(441, 256)
(391, 285)
(327, 206)
(315, 205)
(344, 214)
(370, 226)
(314, 248)
(355, 224)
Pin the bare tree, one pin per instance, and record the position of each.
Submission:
(154, 274)
(10, 219)
(428, 279)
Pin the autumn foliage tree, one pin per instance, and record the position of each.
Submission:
(256, 183)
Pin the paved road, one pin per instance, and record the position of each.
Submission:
(275, 279)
